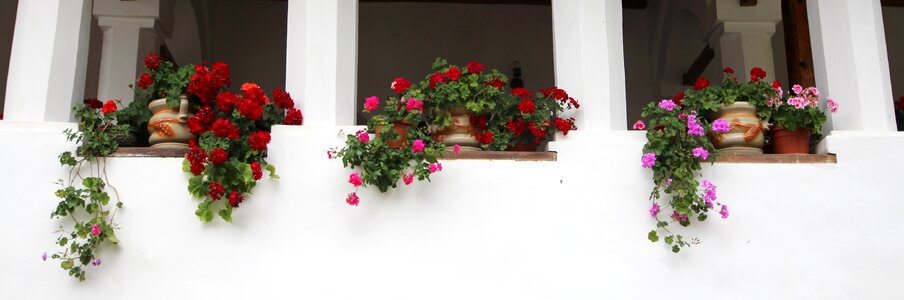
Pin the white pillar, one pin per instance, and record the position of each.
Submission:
(48, 60)
(132, 29)
(590, 62)
(851, 63)
(742, 36)
(321, 60)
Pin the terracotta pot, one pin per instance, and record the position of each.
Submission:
(746, 134)
(524, 147)
(401, 128)
(167, 127)
(791, 141)
(461, 132)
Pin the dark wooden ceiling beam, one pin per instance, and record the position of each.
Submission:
(699, 65)
(894, 3)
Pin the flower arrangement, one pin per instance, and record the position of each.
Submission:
(709, 98)
(401, 148)
(89, 207)
(233, 131)
(451, 86)
(164, 80)
(526, 118)
(799, 109)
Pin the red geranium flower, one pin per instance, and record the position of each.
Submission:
(235, 198)
(259, 140)
(436, 78)
(701, 83)
(222, 128)
(251, 109)
(475, 67)
(196, 155)
(226, 101)
(400, 85)
(195, 127)
(537, 131)
(527, 106)
(283, 99)
(485, 137)
(901, 102)
(109, 107)
(728, 70)
(756, 74)
(218, 156)
(479, 122)
(215, 191)
(205, 115)
(559, 93)
(521, 92)
(145, 80)
(152, 61)
(678, 97)
(564, 125)
(253, 92)
(496, 83)
(516, 127)
(93, 103)
(293, 117)
(776, 84)
(453, 73)
(256, 172)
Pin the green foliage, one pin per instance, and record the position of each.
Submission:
(799, 110)
(169, 81)
(713, 97)
(511, 126)
(472, 91)
(87, 207)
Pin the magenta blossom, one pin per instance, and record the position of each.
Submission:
(701, 153)
(654, 210)
(363, 136)
(95, 229)
(352, 199)
(833, 106)
(679, 217)
(371, 103)
(355, 179)
(694, 128)
(408, 178)
(797, 89)
(798, 102)
(724, 212)
(667, 104)
(417, 146)
(329, 154)
(639, 125)
(435, 167)
(456, 149)
(648, 160)
(668, 182)
(709, 193)
(721, 126)
(44, 256)
(95, 262)
(414, 104)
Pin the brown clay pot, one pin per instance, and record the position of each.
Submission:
(401, 128)
(791, 142)
(524, 147)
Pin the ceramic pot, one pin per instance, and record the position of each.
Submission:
(167, 127)
(746, 134)
(461, 132)
(791, 141)
(401, 128)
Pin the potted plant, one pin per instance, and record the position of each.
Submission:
(798, 119)
(401, 147)
(454, 96)
(743, 105)
(524, 120)
(229, 155)
(167, 84)
(676, 146)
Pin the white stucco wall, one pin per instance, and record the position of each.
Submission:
(571, 229)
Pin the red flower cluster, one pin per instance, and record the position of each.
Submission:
(728, 70)
(521, 92)
(227, 101)
(757, 74)
(235, 198)
(293, 117)
(475, 67)
(218, 156)
(559, 94)
(152, 61)
(196, 157)
(145, 80)
(678, 97)
(259, 140)
(256, 172)
(93, 103)
(283, 99)
(485, 137)
(215, 191)
(776, 84)
(539, 132)
(251, 109)
(701, 84)
(564, 125)
(516, 127)
(109, 107)
(223, 128)
(208, 81)
(453, 73)
(479, 122)
(496, 83)
(400, 85)
(527, 106)
(436, 78)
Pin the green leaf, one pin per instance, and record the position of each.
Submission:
(652, 236)
(196, 186)
(675, 248)
(186, 166)
(669, 240)
(226, 213)
(67, 264)
(63, 241)
(66, 159)
(272, 169)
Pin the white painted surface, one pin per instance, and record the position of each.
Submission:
(48, 61)
(571, 229)
(851, 63)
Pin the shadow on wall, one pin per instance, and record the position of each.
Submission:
(494, 34)
(7, 27)
(893, 17)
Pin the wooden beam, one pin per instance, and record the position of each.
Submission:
(893, 3)
(699, 65)
(634, 4)
(748, 2)
(797, 43)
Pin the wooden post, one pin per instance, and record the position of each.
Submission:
(797, 43)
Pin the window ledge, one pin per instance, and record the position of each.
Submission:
(777, 159)
(500, 155)
(149, 152)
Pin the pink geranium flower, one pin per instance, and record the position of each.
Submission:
(648, 160)
(352, 199)
(95, 229)
(408, 178)
(701, 153)
(456, 149)
(371, 103)
(833, 106)
(654, 210)
(417, 146)
(363, 136)
(639, 125)
(355, 179)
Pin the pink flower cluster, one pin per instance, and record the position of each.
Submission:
(724, 212)
(694, 128)
(362, 137)
(639, 125)
(371, 103)
(648, 160)
(709, 193)
(414, 104)
(355, 179)
(435, 167)
(95, 229)
(833, 106)
(654, 210)
(721, 126)
(408, 178)
(417, 146)
(701, 153)
(667, 104)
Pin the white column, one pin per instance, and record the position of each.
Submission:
(851, 63)
(132, 29)
(742, 36)
(48, 61)
(321, 60)
(589, 60)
